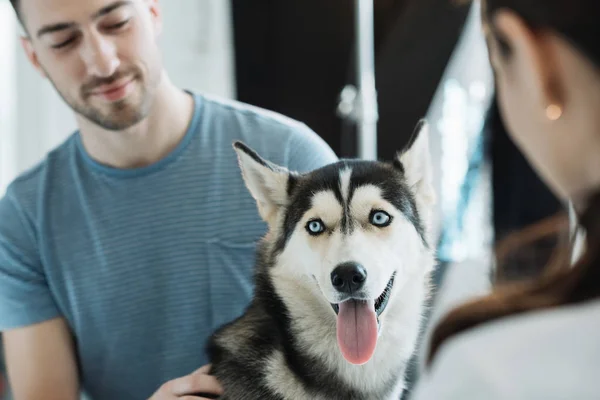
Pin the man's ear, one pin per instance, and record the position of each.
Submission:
(267, 182)
(415, 161)
(32, 55)
(156, 15)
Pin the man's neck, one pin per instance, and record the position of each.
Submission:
(147, 142)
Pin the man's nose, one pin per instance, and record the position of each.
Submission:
(100, 56)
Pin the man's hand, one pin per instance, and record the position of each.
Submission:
(190, 387)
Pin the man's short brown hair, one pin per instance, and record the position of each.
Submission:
(15, 4)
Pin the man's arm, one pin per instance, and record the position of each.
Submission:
(39, 353)
(40, 362)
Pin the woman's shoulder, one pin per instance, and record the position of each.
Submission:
(550, 354)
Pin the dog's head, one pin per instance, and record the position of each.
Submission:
(355, 229)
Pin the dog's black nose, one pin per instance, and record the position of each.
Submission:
(348, 277)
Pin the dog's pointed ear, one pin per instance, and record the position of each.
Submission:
(267, 182)
(415, 162)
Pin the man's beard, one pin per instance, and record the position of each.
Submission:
(118, 115)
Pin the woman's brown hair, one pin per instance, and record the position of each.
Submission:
(562, 283)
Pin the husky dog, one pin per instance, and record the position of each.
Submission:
(340, 282)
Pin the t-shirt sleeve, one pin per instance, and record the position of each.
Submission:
(25, 297)
(307, 150)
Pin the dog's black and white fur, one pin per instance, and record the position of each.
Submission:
(372, 214)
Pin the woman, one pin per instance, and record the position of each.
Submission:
(540, 339)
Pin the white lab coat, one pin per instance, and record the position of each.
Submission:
(545, 355)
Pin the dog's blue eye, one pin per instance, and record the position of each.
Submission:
(315, 226)
(380, 218)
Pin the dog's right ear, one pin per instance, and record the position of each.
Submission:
(266, 181)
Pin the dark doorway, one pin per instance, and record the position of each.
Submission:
(295, 57)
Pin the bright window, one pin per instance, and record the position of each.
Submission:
(458, 115)
(8, 95)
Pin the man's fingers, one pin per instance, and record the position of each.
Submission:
(203, 370)
(193, 398)
(196, 386)
(195, 383)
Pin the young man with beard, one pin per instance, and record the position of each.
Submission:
(134, 239)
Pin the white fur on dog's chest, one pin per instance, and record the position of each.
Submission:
(283, 381)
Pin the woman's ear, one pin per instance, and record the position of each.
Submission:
(526, 57)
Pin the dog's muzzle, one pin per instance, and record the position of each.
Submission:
(353, 279)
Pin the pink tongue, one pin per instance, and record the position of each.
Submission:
(357, 330)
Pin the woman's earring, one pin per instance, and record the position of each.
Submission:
(553, 112)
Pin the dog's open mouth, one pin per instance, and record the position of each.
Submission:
(358, 325)
(381, 302)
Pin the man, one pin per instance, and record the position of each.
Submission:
(134, 239)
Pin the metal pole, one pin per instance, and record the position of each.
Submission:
(365, 68)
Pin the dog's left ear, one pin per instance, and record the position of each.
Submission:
(266, 181)
(415, 161)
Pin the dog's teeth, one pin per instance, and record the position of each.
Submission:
(384, 296)
(336, 308)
